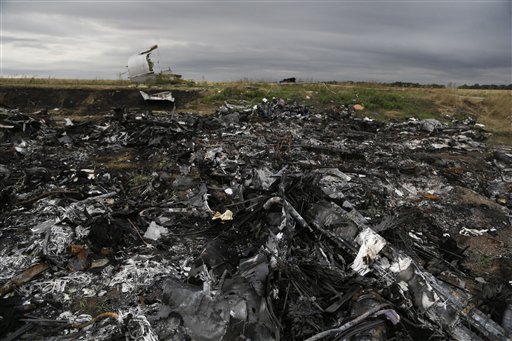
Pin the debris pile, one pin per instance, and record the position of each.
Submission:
(266, 222)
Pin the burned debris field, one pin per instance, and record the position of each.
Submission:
(269, 220)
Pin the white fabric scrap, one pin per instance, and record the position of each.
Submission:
(371, 244)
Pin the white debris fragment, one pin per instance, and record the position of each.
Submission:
(74, 281)
(81, 231)
(439, 145)
(413, 144)
(228, 215)
(138, 325)
(371, 244)
(60, 237)
(426, 302)
(410, 188)
(272, 201)
(403, 286)
(21, 147)
(139, 271)
(430, 125)
(472, 232)
(68, 122)
(10, 265)
(211, 154)
(69, 316)
(90, 173)
(333, 182)
(86, 292)
(413, 236)
(480, 280)
(99, 263)
(161, 96)
(239, 310)
(263, 178)
(228, 191)
(336, 172)
(155, 231)
(401, 264)
(43, 227)
(384, 263)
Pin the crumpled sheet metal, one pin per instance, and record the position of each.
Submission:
(371, 244)
(234, 310)
(159, 96)
(446, 307)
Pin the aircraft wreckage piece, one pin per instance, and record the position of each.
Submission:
(140, 66)
(160, 96)
(442, 305)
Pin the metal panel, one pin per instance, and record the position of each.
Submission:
(161, 96)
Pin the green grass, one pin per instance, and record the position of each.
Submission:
(140, 179)
(92, 83)
(33, 81)
(322, 96)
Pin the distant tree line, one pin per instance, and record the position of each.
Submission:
(394, 84)
(487, 86)
(415, 85)
(450, 85)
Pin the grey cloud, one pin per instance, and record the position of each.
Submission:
(12, 39)
(384, 41)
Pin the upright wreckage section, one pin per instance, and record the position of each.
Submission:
(140, 66)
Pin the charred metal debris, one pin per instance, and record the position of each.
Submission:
(266, 222)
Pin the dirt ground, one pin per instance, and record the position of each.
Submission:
(84, 101)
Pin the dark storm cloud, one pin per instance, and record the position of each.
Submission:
(464, 42)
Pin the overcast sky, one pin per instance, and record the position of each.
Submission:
(417, 41)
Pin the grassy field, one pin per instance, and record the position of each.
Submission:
(66, 83)
(492, 108)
